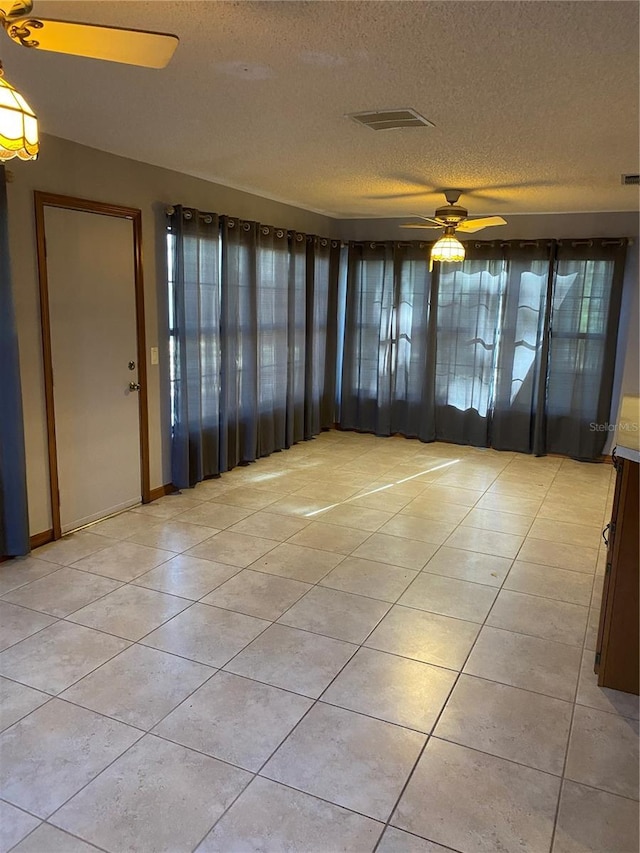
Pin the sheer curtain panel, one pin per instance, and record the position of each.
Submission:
(513, 348)
(583, 331)
(521, 361)
(195, 354)
(468, 314)
(384, 371)
(253, 332)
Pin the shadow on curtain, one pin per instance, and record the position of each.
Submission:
(14, 519)
(514, 348)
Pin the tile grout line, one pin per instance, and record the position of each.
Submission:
(317, 700)
(569, 731)
(317, 583)
(568, 744)
(435, 724)
(443, 709)
(46, 823)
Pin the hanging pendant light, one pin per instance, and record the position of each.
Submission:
(448, 249)
(18, 124)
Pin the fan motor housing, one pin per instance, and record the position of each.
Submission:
(451, 214)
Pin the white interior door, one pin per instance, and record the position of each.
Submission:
(91, 286)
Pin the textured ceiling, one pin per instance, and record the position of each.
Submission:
(537, 101)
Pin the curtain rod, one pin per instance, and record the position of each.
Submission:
(208, 217)
(188, 213)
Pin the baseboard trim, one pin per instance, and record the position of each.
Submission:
(35, 541)
(161, 491)
(46, 536)
(39, 539)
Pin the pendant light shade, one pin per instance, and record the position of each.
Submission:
(448, 249)
(18, 125)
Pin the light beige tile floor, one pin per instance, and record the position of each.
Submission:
(358, 644)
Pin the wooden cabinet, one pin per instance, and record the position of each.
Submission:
(617, 647)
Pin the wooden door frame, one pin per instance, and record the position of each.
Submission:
(41, 201)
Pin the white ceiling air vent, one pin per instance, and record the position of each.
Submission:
(391, 119)
(631, 180)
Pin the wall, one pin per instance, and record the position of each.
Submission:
(523, 226)
(75, 170)
(70, 169)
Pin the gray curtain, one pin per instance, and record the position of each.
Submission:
(519, 391)
(468, 315)
(195, 355)
(584, 318)
(14, 519)
(322, 273)
(384, 368)
(252, 335)
(513, 348)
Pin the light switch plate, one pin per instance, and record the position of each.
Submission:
(154, 355)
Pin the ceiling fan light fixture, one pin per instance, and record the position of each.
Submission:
(18, 124)
(448, 249)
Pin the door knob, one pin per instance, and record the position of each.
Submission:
(134, 386)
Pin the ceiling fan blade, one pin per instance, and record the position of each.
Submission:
(471, 225)
(114, 44)
(16, 9)
(435, 222)
(419, 225)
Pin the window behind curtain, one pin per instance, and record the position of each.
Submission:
(578, 332)
(526, 337)
(514, 350)
(469, 303)
(245, 332)
(410, 327)
(518, 397)
(273, 332)
(367, 373)
(173, 329)
(583, 333)
(194, 321)
(373, 314)
(469, 310)
(318, 315)
(299, 291)
(385, 334)
(322, 270)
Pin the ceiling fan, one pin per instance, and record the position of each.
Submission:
(115, 44)
(18, 123)
(453, 217)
